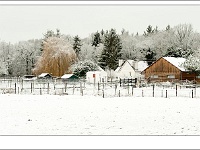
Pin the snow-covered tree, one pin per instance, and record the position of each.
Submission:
(6, 55)
(192, 63)
(24, 58)
(90, 53)
(57, 57)
(146, 47)
(3, 68)
(82, 67)
(183, 39)
(129, 50)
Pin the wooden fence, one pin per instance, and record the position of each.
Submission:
(114, 89)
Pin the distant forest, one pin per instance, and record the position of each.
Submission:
(58, 53)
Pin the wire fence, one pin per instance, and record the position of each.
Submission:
(108, 89)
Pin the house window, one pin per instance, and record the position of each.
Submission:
(154, 76)
(171, 76)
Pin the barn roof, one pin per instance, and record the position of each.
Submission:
(67, 76)
(43, 75)
(177, 62)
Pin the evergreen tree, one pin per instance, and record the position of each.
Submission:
(150, 56)
(112, 51)
(168, 28)
(96, 40)
(102, 32)
(77, 45)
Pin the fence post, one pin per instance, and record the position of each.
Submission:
(40, 91)
(192, 94)
(98, 87)
(48, 88)
(166, 93)
(65, 87)
(73, 89)
(115, 88)
(132, 90)
(153, 90)
(103, 82)
(119, 93)
(22, 83)
(81, 89)
(15, 88)
(176, 90)
(142, 93)
(103, 93)
(128, 87)
(31, 87)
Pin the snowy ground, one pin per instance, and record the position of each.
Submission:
(94, 115)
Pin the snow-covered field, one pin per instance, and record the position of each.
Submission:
(94, 115)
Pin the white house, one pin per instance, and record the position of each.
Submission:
(96, 76)
(130, 69)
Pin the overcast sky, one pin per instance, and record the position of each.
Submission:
(31, 22)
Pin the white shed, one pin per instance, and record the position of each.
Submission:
(96, 76)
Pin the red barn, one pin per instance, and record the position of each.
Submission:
(169, 69)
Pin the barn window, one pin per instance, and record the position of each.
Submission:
(171, 76)
(154, 76)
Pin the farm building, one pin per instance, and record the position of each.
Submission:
(69, 77)
(45, 75)
(169, 69)
(96, 76)
(130, 69)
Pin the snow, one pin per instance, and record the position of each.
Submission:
(142, 65)
(94, 115)
(178, 62)
(66, 76)
(43, 75)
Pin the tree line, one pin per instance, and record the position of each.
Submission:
(58, 53)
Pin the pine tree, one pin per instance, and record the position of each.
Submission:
(168, 28)
(112, 51)
(77, 45)
(96, 40)
(150, 56)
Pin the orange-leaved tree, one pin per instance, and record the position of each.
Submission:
(57, 57)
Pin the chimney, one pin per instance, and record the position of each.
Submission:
(135, 65)
(121, 61)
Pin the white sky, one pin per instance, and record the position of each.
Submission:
(31, 22)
